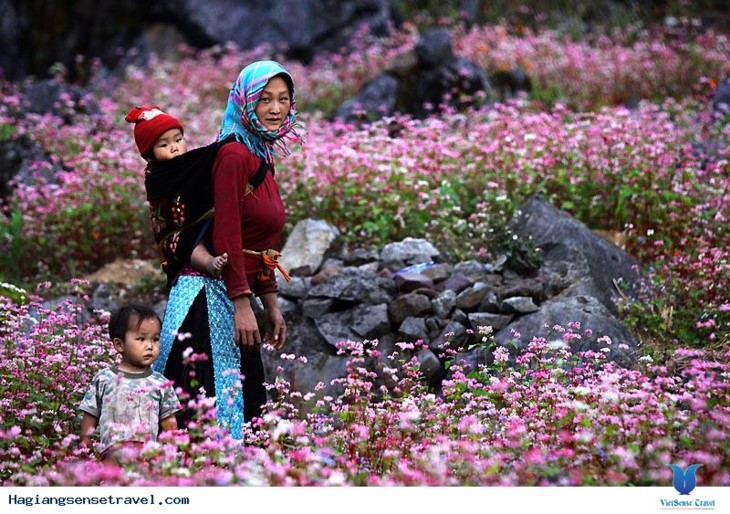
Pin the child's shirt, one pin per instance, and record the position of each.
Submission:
(129, 406)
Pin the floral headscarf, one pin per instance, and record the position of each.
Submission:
(240, 118)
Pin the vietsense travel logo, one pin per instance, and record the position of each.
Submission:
(685, 481)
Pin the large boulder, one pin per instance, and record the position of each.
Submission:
(418, 82)
(300, 27)
(35, 35)
(574, 257)
(24, 161)
(307, 245)
(595, 320)
(376, 99)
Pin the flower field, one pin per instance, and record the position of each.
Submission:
(619, 131)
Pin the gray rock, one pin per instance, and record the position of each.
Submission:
(102, 298)
(358, 256)
(508, 84)
(354, 286)
(519, 305)
(589, 312)
(315, 307)
(433, 48)
(473, 270)
(529, 287)
(329, 269)
(456, 283)
(460, 317)
(472, 296)
(490, 303)
(443, 304)
(572, 251)
(295, 289)
(376, 99)
(64, 100)
(434, 325)
(307, 244)
(126, 31)
(453, 337)
(357, 324)
(407, 282)
(19, 158)
(430, 366)
(488, 319)
(69, 305)
(404, 306)
(407, 252)
(439, 271)
(413, 329)
(286, 306)
(371, 321)
(323, 365)
(721, 98)
(429, 86)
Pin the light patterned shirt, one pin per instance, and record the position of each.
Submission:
(129, 406)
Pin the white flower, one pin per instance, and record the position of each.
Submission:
(610, 396)
(282, 428)
(501, 354)
(336, 478)
(582, 391)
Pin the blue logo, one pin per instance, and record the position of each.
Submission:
(684, 479)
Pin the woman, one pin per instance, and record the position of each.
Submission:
(259, 120)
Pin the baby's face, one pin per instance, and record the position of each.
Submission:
(170, 145)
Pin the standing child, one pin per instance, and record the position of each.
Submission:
(130, 403)
(160, 137)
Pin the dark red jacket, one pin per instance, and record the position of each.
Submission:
(254, 221)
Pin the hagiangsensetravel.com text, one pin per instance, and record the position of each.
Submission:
(61, 501)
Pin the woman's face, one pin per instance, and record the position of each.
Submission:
(274, 104)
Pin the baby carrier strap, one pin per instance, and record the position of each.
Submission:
(258, 177)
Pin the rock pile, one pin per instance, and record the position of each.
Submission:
(407, 293)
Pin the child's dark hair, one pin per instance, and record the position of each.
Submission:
(119, 322)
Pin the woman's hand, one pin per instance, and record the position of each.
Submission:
(275, 326)
(246, 328)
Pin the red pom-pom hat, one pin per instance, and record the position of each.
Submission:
(150, 122)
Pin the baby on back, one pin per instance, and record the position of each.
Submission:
(160, 137)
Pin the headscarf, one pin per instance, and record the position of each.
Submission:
(240, 118)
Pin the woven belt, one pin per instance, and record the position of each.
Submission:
(270, 260)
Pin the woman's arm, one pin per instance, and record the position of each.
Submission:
(275, 331)
(246, 327)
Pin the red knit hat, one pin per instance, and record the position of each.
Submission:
(149, 124)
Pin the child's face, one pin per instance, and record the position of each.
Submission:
(274, 104)
(141, 344)
(170, 145)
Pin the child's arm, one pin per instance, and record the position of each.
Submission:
(169, 423)
(169, 405)
(88, 426)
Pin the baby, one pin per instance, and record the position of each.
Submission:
(160, 137)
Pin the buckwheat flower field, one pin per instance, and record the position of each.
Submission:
(620, 132)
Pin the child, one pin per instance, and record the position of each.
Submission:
(130, 403)
(160, 137)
